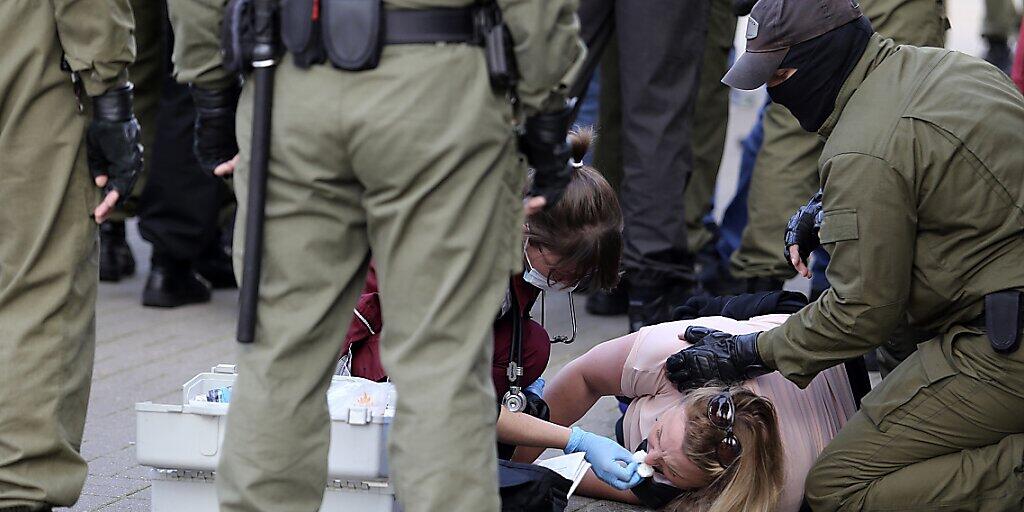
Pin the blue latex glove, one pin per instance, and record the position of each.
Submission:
(604, 455)
(537, 387)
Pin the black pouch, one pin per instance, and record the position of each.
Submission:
(300, 31)
(497, 41)
(1004, 320)
(353, 32)
(530, 488)
(238, 36)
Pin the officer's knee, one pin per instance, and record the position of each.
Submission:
(829, 484)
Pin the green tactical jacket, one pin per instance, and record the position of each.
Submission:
(546, 35)
(923, 181)
(97, 39)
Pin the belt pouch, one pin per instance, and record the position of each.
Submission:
(1003, 320)
(300, 31)
(238, 36)
(353, 32)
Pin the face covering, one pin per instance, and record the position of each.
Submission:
(538, 280)
(822, 65)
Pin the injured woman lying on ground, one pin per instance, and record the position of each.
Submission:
(721, 448)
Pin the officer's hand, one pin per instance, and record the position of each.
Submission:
(113, 148)
(215, 145)
(801, 238)
(611, 463)
(546, 147)
(714, 356)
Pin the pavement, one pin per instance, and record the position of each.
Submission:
(145, 354)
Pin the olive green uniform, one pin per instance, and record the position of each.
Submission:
(923, 216)
(416, 159)
(48, 269)
(785, 173)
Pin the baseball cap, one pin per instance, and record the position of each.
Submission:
(776, 25)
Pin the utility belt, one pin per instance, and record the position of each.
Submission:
(1003, 320)
(351, 34)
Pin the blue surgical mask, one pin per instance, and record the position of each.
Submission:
(534, 278)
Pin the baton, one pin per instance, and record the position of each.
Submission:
(263, 64)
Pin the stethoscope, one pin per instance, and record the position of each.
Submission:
(514, 399)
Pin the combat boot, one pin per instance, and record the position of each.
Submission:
(215, 266)
(653, 304)
(173, 283)
(609, 303)
(116, 260)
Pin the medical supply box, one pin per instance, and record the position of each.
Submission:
(182, 443)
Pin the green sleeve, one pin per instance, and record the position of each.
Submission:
(197, 57)
(548, 50)
(98, 40)
(869, 229)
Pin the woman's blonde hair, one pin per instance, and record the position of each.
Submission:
(754, 481)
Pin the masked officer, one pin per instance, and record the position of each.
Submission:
(66, 113)
(923, 213)
(415, 157)
(785, 173)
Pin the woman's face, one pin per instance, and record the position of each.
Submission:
(545, 262)
(665, 451)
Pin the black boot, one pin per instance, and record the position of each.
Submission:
(609, 303)
(653, 304)
(998, 53)
(215, 266)
(172, 283)
(116, 261)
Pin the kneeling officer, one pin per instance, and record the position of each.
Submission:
(387, 133)
(922, 177)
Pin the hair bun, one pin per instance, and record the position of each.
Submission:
(580, 140)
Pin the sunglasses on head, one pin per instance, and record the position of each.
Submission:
(722, 414)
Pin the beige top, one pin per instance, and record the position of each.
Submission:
(808, 418)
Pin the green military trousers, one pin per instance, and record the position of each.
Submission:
(416, 162)
(786, 171)
(943, 432)
(48, 269)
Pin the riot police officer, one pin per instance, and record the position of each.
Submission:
(387, 135)
(923, 209)
(66, 112)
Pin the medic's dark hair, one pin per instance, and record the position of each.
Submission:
(584, 229)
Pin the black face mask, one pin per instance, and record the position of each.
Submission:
(822, 65)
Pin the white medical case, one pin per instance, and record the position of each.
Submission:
(183, 444)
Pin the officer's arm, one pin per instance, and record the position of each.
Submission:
(197, 56)
(869, 229)
(548, 50)
(98, 41)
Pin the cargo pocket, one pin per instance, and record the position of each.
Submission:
(909, 386)
(839, 235)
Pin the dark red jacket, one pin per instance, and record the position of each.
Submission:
(363, 336)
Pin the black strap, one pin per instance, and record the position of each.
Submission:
(425, 26)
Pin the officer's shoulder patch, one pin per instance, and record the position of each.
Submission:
(751, 28)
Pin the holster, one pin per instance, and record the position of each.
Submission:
(238, 36)
(497, 42)
(1004, 320)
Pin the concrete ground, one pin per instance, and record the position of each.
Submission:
(146, 354)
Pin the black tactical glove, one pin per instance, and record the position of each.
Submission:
(714, 356)
(215, 141)
(112, 141)
(546, 147)
(742, 7)
(803, 227)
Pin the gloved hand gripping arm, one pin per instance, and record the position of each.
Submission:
(215, 143)
(113, 147)
(715, 356)
(545, 145)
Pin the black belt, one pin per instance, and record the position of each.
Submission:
(426, 26)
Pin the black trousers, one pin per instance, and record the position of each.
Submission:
(180, 206)
(661, 46)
